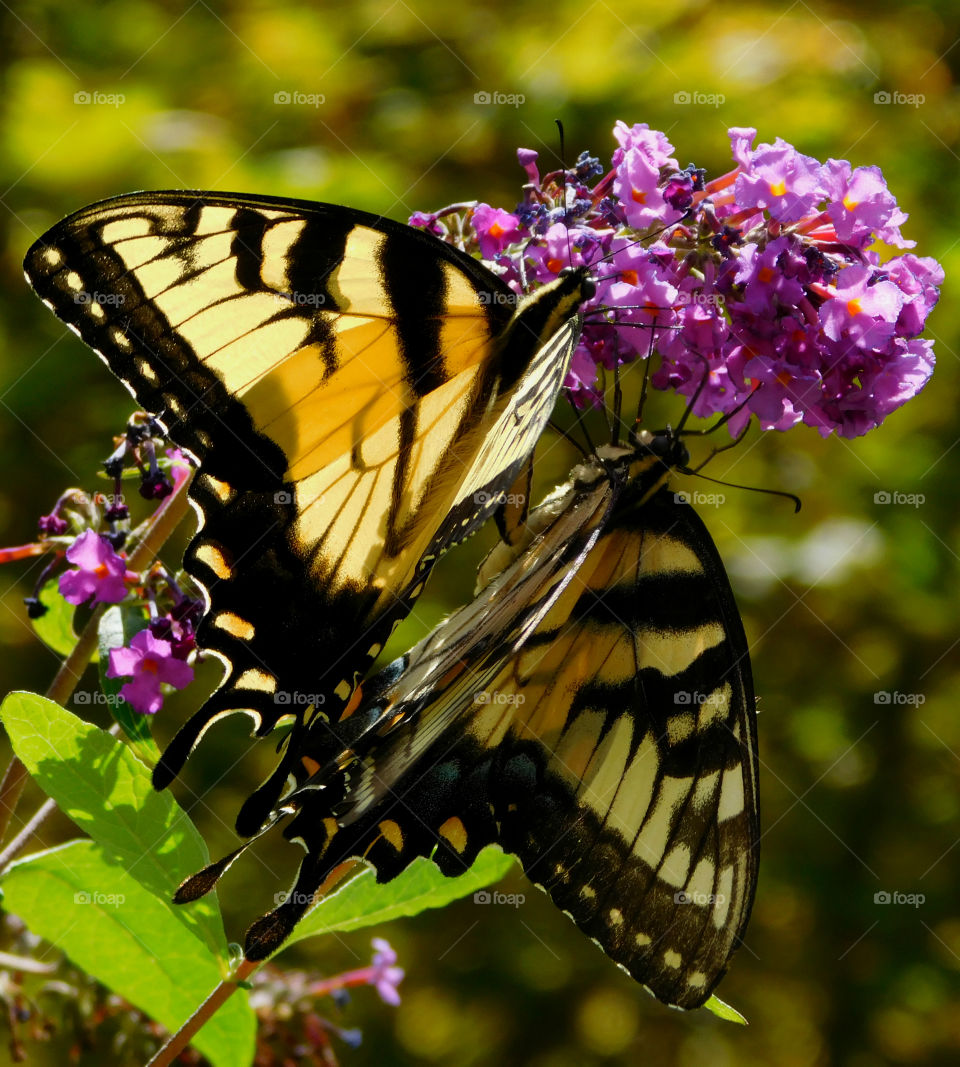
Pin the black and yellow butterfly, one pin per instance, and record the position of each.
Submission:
(592, 711)
(358, 395)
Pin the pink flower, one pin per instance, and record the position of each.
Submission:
(151, 662)
(495, 229)
(100, 573)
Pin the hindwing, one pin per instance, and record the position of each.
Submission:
(593, 713)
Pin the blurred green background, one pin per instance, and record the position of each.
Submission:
(845, 601)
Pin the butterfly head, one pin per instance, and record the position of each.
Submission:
(665, 445)
(579, 281)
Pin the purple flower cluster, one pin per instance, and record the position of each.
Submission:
(760, 290)
(88, 533)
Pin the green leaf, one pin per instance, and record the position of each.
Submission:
(100, 784)
(725, 1011)
(118, 626)
(132, 942)
(55, 628)
(362, 902)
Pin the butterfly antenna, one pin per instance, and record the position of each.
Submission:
(617, 396)
(645, 381)
(701, 385)
(698, 470)
(749, 488)
(569, 437)
(722, 421)
(579, 422)
(608, 415)
(566, 177)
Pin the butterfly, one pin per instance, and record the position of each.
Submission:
(592, 712)
(358, 396)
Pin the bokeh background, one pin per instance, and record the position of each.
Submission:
(847, 600)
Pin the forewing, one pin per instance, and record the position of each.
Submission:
(344, 382)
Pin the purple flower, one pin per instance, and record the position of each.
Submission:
(424, 220)
(386, 976)
(919, 279)
(862, 313)
(52, 524)
(637, 187)
(767, 285)
(780, 180)
(582, 376)
(741, 144)
(150, 662)
(495, 229)
(633, 280)
(527, 158)
(862, 207)
(652, 144)
(100, 573)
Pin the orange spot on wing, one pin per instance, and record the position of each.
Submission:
(353, 703)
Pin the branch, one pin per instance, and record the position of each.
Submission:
(179, 1041)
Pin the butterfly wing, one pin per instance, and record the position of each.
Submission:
(608, 739)
(352, 389)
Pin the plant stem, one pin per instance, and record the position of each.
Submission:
(19, 843)
(179, 1041)
(165, 520)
